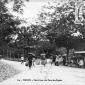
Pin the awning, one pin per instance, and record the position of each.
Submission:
(79, 52)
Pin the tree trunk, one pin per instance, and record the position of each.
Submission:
(67, 54)
(26, 53)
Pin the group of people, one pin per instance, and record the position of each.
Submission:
(31, 60)
(58, 59)
(28, 61)
(53, 59)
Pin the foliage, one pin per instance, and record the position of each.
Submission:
(7, 23)
(60, 24)
(17, 4)
(45, 47)
(8, 27)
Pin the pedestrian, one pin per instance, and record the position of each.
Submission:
(53, 59)
(57, 61)
(64, 60)
(22, 59)
(27, 63)
(30, 63)
(44, 60)
(81, 63)
(49, 61)
(33, 61)
(30, 57)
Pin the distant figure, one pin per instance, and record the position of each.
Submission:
(43, 61)
(27, 63)
(57, 61)
(33, 61)
(81, 63)
(49, 61)
(64, 60)
(30, 64)
(60, 60)
(30, 57)
(38, 61)
(22, 59)
(54, 58)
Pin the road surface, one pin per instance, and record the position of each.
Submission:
(49, 75)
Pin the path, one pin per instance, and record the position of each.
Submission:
(49, 75)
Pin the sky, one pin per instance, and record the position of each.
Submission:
(31, 10)
(33, 7)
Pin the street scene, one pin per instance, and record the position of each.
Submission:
(50, 74)
(42, 42)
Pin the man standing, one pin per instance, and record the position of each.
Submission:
(30, 57)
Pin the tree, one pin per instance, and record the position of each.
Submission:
(8, 26)
(27, 38)
(60, 25)
(7, 23)
(46, 47)
(17, 5)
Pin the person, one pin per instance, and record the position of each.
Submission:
(64, 60)
(57, 60)
(43, 60)
(49, 61)
(33, 60)
(60, 60)
(30, 57)
(81, 63)
(53, 59)
(30, 63)
(27, 63)
(22, 59)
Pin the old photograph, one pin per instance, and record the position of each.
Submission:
(42, 42)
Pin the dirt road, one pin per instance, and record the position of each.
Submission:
(49, 75)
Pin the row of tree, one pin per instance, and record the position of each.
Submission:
(56, 28)
(59, 25)
(8, 22)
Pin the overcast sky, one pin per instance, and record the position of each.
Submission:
(31, 9)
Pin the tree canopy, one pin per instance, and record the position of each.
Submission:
(8, 24)
(60, 26)
(17, 5)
